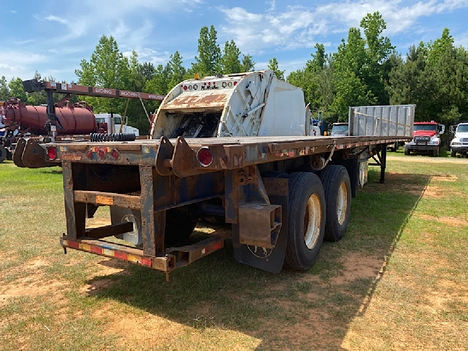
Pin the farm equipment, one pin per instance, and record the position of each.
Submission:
(61, 119)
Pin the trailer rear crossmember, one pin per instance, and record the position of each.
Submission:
(174, 258)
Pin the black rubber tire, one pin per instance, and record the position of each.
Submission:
(453, 153)
(435, 153)
(180, 223)
(333, 177)
(302, 186)
(3, 154)
(407, 152)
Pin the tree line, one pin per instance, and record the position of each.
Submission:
(365, 70)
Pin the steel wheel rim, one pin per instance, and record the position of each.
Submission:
(342, 203)
(312, 221)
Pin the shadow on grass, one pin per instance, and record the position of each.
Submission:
(294, 310)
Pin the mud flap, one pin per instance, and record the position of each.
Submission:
(270, 260)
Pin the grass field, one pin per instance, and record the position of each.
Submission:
(396, 281)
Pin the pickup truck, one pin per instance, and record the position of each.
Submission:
(459, 143)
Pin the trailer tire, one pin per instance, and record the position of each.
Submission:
(3, 153)
(337, 187)
(180, 223)
(306, 220)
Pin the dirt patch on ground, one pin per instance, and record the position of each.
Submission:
(358, 266)
(30, 286)
(421, 159)
(453, 221)
(449, 178)
(99, 280)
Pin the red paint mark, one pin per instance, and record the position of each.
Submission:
(146, 262)
(73, 244)
(97, 250)
(216, 246)
(121, 255)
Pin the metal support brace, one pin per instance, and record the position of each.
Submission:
(383, 163)
(75, 212)
(153, 224)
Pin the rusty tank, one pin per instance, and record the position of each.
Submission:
(73, 118)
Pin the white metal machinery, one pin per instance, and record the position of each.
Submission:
(244, 104)
(115, 121)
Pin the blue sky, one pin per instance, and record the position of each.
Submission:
(52, 36)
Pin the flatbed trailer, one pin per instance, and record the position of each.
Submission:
(249, 178)
(206, 158)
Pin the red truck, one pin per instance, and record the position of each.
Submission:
(426, 138)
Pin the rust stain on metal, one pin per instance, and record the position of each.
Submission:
(104, 200)
(199, 100)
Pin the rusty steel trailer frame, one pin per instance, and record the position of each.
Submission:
(154, 176)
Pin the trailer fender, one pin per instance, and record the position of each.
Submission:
(34, 156)
(270, 259)
(18, 154)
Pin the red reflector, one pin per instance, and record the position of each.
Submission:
(101, 153)
(115, 154)
(185, 87)
(146, 262)
(89, 153)
(97, 250)
(205, 157)
(52, 153)
(216, 246)
(74, 244)
(235, 83)
(121, 255)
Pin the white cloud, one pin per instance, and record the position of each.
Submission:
(55, 19)
(461, 39)
(299, 26)
(18, 63)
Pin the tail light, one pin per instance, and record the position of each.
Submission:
(115, 154)
(101, 153)
(52, 153)
(205, 156)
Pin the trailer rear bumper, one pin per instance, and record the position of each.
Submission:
(173, 258)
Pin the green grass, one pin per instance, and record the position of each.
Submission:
(397, 280)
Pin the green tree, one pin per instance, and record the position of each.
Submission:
(16, 89)
(230, 62)
(4, 89)
(434, 78)
(348, 66)
(273, 65)
(248, 63)
(378, 52)
(109, 68)
(39, 97)
(176, 70)
(209, 54)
